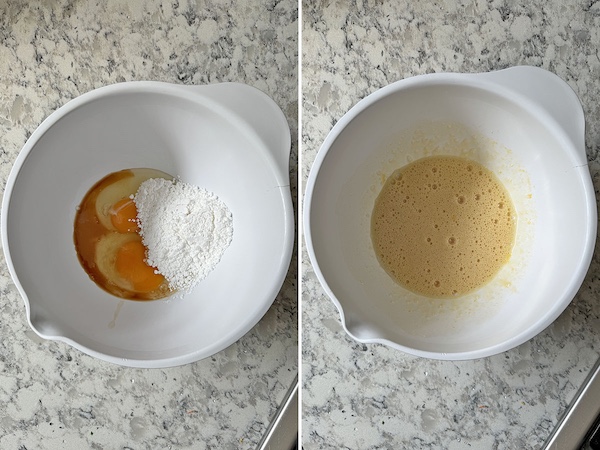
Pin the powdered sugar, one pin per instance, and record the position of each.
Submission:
(185, 228)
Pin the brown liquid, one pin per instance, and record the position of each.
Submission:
(96, 244)
(443, 226)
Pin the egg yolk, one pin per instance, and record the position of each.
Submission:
(123, 216)
(131, 265)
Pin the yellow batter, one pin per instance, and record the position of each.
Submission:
(443, 226)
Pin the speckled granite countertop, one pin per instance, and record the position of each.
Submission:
(53, 396)
(369, 396)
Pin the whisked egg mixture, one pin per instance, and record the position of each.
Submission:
(443, 226)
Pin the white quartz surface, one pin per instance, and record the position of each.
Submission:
(359, 396)
(53, 396)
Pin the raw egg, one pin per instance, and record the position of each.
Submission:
(107, 242)
(123, 216)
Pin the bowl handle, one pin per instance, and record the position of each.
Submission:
(259, 111)
(550, 93)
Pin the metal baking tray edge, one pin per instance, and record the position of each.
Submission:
(282, 433)
(571, 431)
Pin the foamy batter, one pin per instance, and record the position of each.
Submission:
(443, 226)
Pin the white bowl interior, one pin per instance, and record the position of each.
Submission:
(173, 131)
(548, 182)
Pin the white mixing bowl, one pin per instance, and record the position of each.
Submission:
(228, 138)
(524, 124)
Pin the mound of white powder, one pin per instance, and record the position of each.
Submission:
(185, 228)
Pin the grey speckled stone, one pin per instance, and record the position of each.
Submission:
(54, 396)
(369, 396)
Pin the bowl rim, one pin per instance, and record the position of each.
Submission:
(477, 81)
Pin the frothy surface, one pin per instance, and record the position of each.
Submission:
(443, 226)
